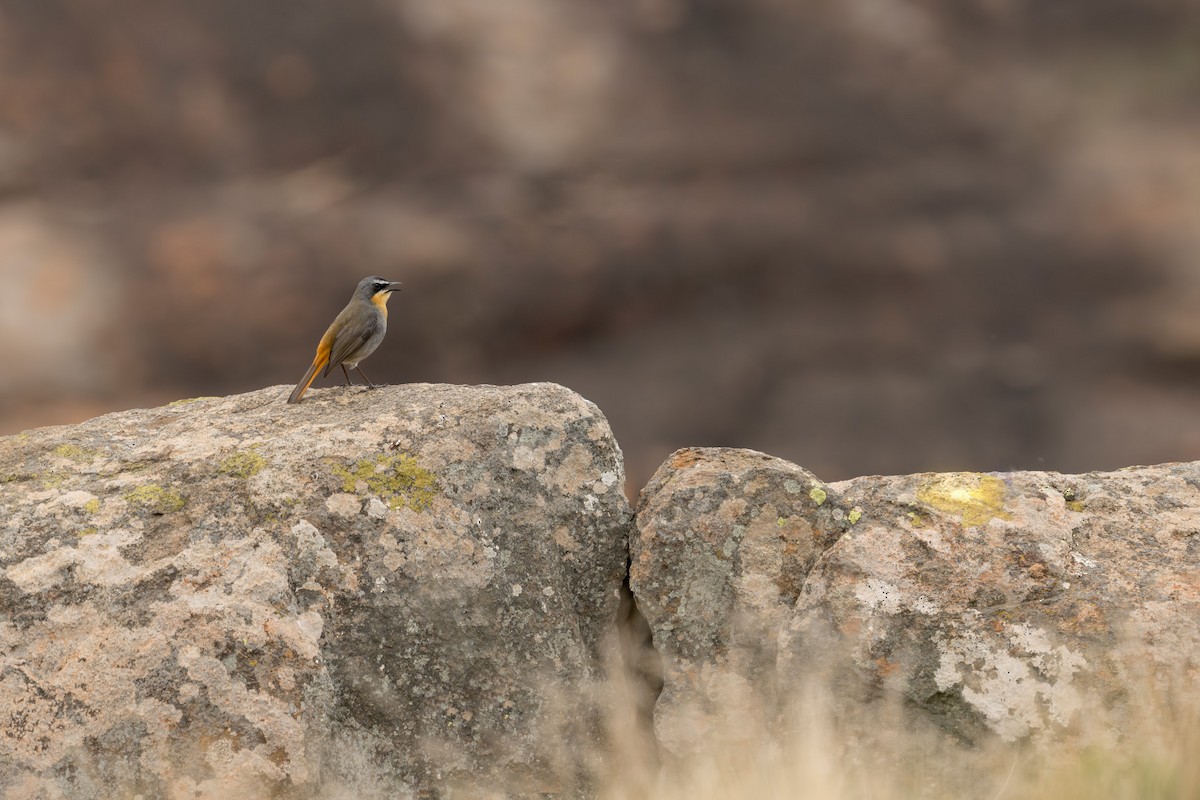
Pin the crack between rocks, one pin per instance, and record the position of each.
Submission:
(642, 666)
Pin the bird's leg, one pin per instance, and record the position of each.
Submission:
(347, 374)
(365, 378)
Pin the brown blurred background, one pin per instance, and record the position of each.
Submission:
(865, 235)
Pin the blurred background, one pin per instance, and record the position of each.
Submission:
(869, 236)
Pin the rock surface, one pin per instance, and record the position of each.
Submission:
(725, 539)
(363, 593)
(999, 606)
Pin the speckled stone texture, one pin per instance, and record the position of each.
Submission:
(724, 541)
(996, 606)
(365, 593)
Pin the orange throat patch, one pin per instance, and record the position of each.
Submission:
(380, 299)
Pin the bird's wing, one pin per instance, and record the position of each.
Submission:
(348, 340)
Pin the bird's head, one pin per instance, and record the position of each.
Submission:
(377, 290)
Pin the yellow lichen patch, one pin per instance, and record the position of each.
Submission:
(73, 452)
(244, 464)
(397, 479)
(50, 480)
(92, 506)
(156, 499)
(975, 498)
(855, 515)
(818, 495)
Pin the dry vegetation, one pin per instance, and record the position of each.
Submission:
(820, 747)
(824, 753)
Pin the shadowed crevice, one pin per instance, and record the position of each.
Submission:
(643, 667)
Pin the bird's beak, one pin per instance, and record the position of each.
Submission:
(394, 286)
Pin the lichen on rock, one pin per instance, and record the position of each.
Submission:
(239, 597)
(156, 499)
(397, 479)
(243, 464)
(972, 497)
(992, 605)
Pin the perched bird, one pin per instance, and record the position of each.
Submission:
(354, 334)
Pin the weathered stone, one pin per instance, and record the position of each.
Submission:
(999, 606)
(725, 540)
(372, 588)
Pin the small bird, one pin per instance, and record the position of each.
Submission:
(354, 334)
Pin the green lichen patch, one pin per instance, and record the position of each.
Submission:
(855, 515)
(51, 480)
(243, 464)
(74, 452)
(398, 480)
(818, 495)
(155, 499)
(977, 499)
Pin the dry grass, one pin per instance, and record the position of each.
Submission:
(822, 760)
(818, 748)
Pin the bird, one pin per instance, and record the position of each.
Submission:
(353, 335)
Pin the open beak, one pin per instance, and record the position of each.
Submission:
(394, 286)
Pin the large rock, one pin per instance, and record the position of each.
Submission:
(999, 606)
(372, 591)
(725, 539)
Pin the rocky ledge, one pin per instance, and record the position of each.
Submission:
(236, 597)
(1002, 606)
(415, 591)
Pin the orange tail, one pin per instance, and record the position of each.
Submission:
(320, 361)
